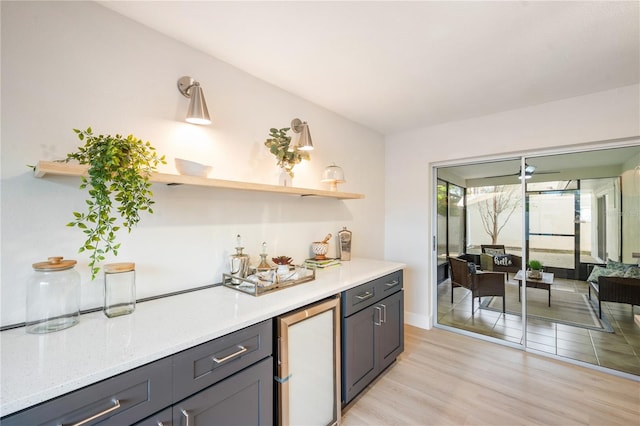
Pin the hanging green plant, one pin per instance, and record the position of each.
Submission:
(119, 170)
(288, 156)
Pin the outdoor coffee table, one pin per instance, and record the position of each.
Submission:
(544, 283)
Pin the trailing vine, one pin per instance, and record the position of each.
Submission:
(119, 171)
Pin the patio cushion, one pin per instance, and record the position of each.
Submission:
(502, 260)
(595, 273)
(632, 272)
(493, 251)
(599, 271)
(619, 266)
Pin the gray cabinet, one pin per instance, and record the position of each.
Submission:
(120, 400)
(227, 381)
(372, 331)
(206, 364)
(246, 398)
(163, 418)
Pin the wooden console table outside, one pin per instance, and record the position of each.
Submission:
(544, 283)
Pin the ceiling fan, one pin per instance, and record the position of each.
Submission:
(528, 172)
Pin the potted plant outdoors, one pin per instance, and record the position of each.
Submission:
(279, 144)
(119, 171)
(535, 269)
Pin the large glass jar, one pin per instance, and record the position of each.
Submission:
(53, 296)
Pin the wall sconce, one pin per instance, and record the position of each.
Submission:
(197, 112)
(333, 175)
(304, 142)
(528, 172)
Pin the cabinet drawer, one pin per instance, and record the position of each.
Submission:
(359, 297)
(123, 399)
(206, 364)
(389, 284)
(367, 294)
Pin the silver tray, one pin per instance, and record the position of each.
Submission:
(266, 285)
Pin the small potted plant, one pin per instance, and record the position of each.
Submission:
(535, 269)
(118, 174)
(288, 156)
(283, 263)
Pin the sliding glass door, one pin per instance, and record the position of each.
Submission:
(572, 212)
(476, 213)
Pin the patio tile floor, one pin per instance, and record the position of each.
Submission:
(619, 350)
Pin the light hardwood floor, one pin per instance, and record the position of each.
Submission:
(444, 378)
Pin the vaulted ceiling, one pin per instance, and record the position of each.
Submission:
(394, 66)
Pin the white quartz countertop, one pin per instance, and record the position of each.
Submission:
(36, 368)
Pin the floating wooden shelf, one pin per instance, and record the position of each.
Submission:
(44, 168)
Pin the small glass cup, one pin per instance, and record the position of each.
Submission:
(119, 289)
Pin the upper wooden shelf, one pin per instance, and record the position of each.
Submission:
(68, 169)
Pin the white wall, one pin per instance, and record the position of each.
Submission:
(72, 65)
(595, 117)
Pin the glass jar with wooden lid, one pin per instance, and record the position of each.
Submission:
(119, 289)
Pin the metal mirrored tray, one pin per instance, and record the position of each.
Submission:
(264, 282)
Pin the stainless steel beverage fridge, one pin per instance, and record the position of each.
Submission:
(308, 365)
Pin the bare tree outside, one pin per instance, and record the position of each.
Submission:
(496, 206)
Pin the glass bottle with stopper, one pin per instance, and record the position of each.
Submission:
(239, 262)
(264, 264)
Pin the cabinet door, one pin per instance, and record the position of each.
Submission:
(163, 418)
(359, 355)
(391, 332)
(245, 399)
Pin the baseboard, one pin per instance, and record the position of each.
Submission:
(418, 320)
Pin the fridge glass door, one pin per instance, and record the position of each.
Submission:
(309, 365)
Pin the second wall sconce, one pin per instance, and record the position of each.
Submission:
(197, 112)
(304, 142)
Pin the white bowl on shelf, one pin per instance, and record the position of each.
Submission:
(191, 168)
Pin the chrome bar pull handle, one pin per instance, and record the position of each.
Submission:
(116, 405)
(379, 316)
(364, 296)
(233, 355)
(384, 313)
(185, 413)
(392, 283)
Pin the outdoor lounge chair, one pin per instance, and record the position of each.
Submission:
(616, 289)
(480, 283)
(494, 258)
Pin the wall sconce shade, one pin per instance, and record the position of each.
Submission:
(333, 175)
(528, 172)
(527, 175)
(304, 142)
(197, 112)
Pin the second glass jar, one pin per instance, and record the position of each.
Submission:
(119, 289)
